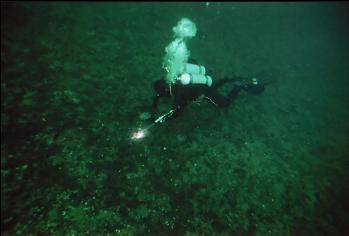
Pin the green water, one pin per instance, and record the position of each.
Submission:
(75, 78)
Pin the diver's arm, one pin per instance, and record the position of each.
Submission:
(176, 111)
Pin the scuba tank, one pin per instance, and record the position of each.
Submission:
(187, 78)
(194, 69)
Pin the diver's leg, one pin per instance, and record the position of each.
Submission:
(256, 84)
(233, 94)
(218, 99)
(219, 83)
(234, 79)
(253, 85)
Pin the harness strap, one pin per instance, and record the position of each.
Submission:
(171, 90)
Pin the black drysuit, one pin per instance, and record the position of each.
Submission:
(184, 94)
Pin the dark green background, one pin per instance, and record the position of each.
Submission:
(76, 76)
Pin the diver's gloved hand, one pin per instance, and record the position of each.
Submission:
(145, 116)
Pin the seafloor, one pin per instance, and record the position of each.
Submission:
(75, 78)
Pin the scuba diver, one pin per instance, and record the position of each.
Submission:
(193, 84)
(186, 81)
